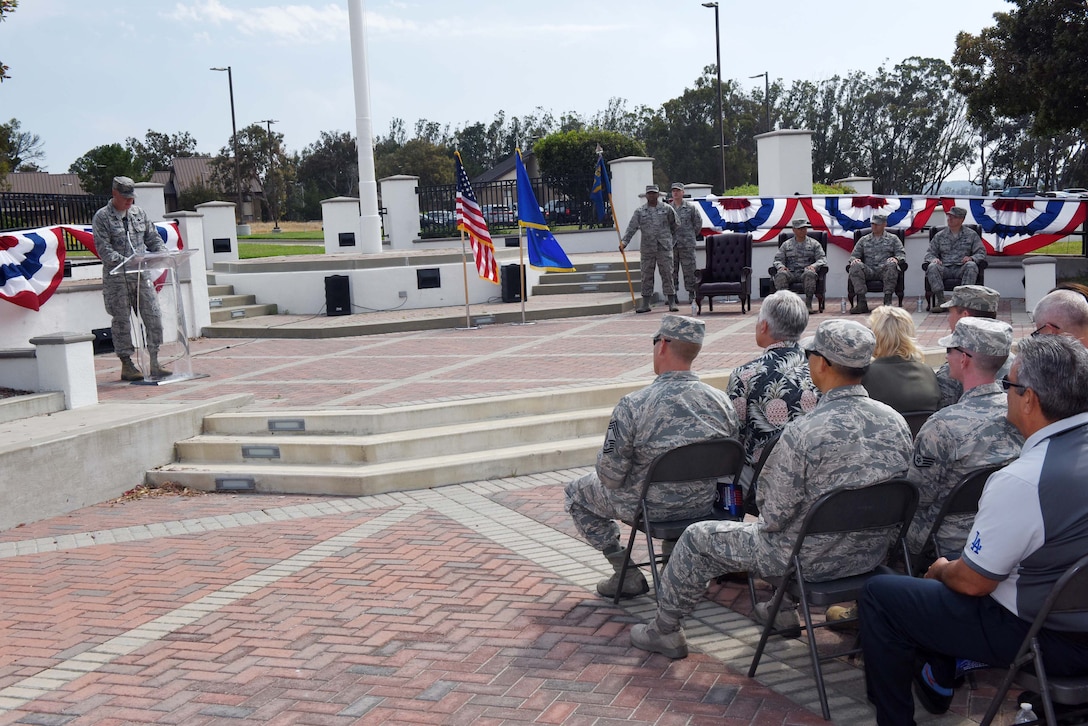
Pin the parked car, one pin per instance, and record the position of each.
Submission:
(499, 214)
(560, 211)
(1074, 192)
(439, 219)
(1019, 192)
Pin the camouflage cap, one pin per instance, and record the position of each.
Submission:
(845, 342)
(957, 212)
(678, 185)
(125, 187)
(679, 327)
(652, 189)
(980, 335)
(974, 297)
(800, 224)
(878, 219)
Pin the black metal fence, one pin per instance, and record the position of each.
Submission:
(29, 211)
(499, 202)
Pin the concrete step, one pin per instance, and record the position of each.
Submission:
(31, 404)
(364, 422)
(559, 278)
(220, 290)
(583, 287)
(241, 311)
(358, 480)
(230, 300)
(335, 450)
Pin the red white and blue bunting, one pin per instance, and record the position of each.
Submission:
(31, 266)
(1018, 225)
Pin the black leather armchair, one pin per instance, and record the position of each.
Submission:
(728, 270)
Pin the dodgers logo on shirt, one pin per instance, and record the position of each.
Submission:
(976, 544)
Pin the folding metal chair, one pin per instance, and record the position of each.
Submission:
(915, 419)
(963, 499)
(750, 495)
(1068, 595)
(882, 506)
(717, 459)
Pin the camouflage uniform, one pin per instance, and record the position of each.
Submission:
(951, 251)
(969, 435)
(115, 242)
(952, 390)
(791, 260)
(689, 223)
(674, 410)
(658, 225)
(874, 253)
(848, 440)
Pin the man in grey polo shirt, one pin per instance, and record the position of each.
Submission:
(1032, 524)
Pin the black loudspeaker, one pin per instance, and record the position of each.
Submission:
(765, 287)
(337, 295)
(511, 285)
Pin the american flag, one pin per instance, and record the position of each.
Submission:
(470, 220)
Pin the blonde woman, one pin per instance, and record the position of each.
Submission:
(898, 375)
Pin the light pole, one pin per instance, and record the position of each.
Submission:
(721, 115)
(273, 203)
(766, 99)
(234, 142)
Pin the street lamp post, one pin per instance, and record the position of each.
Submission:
(766, 99)
(721, 115)
(273, 203)
(234, 142)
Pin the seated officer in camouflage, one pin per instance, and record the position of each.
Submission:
(876, 256)
(953, 254)
(676, 409)
(800, 258)
(849, 440)
(967, 300)
(970, 434)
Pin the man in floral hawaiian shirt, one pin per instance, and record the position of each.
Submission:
(775, 388)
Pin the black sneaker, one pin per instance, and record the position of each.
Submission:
(934, 697)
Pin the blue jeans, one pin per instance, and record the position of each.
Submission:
(902, 617)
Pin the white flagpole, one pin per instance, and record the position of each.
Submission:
(464, 269)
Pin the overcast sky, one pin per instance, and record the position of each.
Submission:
(90, 73)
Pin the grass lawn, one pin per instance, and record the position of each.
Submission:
(249, 251)
(285, 234)
(1069, 246)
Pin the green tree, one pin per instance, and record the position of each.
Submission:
(6, 8)
(19, 150)
(1030, 63)
(97, 168)
(260, 159)
(157, 150)
(567, 159)
(431, 163)
(327, 168)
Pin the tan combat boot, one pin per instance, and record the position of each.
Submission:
(157, 371)
(129, 372)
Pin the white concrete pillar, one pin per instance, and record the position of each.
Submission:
(1040, 277)
(194, 276)
(695, 190)
(630, 176)
(785, 163)
(861, 184)
(66, 363)
(340, 221)
(151, 198)
(401, 200)
(220, 233)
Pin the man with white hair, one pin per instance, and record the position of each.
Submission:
(1062, 312)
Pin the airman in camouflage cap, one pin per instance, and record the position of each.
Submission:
(679, 327)
(844, 342)
(974, 297)
(124, 186)
(980, 335)
(878, 219)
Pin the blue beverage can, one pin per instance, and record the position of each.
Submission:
(731, 498)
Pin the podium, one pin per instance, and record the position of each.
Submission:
(160, 271)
